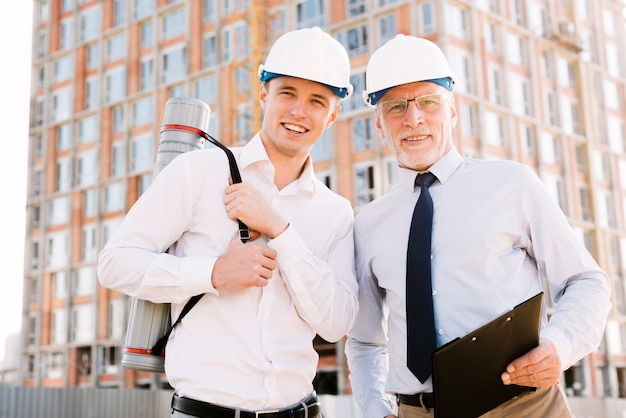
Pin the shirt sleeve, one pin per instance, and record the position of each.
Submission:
(366, 347)
(324, 291)
(579, 288)
(135, 260)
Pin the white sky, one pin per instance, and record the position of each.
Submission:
(15, 49)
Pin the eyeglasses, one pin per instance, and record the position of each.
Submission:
(427, 103)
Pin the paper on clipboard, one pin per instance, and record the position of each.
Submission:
(467, 370)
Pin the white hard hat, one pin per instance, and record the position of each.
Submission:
(405, 59)
(311, 54)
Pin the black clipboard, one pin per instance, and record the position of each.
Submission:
(466, 371)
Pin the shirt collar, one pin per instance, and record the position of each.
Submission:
(442, 169)
(254, 153)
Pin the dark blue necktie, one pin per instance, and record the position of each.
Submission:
(420, 322)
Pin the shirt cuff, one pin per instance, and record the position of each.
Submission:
(562, 343)
(196, 274)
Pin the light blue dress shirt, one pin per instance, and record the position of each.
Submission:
(498, 239)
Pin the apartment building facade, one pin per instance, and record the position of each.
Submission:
(539, 81)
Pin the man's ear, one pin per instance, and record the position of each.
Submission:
(263, 95)
(333, 116)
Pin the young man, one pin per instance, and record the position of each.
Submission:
(497, 238)
(246, 347)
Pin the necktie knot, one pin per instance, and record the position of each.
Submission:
(425, 179)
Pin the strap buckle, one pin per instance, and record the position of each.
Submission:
(257, 414)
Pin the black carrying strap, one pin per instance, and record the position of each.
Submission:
(244, 233)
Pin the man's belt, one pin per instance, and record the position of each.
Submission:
(425, 400)
(309, 407)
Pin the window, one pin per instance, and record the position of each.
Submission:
(457, 21)
(355, 102)
(515, 49)
(52, 365)
(387, 28)
(34, 262)
(142, 111)
(242, 79)
(206, 89)
(240, 41)
(354, 40)
(321, 150)
(146, 74)
(119, 159)
(208, 9)
(62, 105)
(88, 129)
(428, 19)
(84, 281)
(89, 251)
(114, 197)
(83, 323)
(90, 24)
(118, 119)
(147, 37)
(612, 96)
(537, 18)
(174, 65)
(87, 171)
(116, 85)
(550, 150)
(527, 136)
(91, 93)
(518, 14)
(59, 211)
(37, 182)
(59, 326)
(36, 216)
(310, 13)
(117, 325)
(116, 47)
(210, 51)
(494, 129)
(460, 61)
(64, 137)
(142, 153)
(550, 111)
(566, 75)
(90, 203)
(356, 7)
(92, 56)
(243, 123)
(546, 64)
(492, 37)
(391, 171)
(363, 133)
(110, 360)
(66, 34)
(495, 85)
(31, 338)
(142, 8)
(63, 69)
(570, 118)
(64, 175)
(58, 253)
(615, 133)
(119, 12)
(519, 95)
(174, 24)
(364, 185)
(468, 119)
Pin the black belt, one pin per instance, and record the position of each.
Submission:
(310, 409)
(426, 400)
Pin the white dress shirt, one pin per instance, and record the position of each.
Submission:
(497, 235)
(250, 349)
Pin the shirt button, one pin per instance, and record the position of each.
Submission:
(434, 292)
(441, 331)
